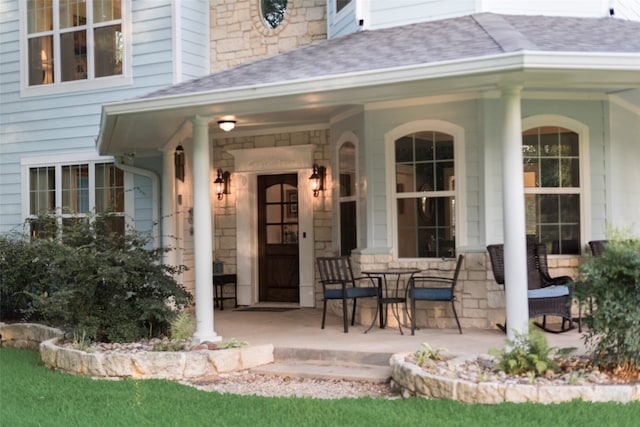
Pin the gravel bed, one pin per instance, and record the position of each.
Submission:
(249, 383)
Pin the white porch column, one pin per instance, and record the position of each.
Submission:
(202, 236)
(168, 206)
(515, 242)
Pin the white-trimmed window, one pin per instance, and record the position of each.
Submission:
(425, 194)
(348, 198)
(552, 181)
(71, 191)
(72, 41)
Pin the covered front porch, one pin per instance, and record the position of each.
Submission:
(300, 328)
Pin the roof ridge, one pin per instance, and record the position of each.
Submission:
(503, 33)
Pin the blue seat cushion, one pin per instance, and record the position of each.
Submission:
(433, 294)
(352, 292)
(548, 292)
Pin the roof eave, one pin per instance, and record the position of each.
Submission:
(490, 64)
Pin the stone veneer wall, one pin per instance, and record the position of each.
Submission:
(481, 301)
(225, 210)
(239, 35)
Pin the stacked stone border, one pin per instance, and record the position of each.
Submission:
(191, 365)
(412, 381)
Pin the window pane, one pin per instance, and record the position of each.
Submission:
(73, 13)
(347, 170)
(73, 52)
(404, 150)
(444, 147)
(426, 227)
(75, 189)
(274, 213)
(108, 52)
(109, 188)
(424, 143)
(549, 172)
(424, 178)
(39, 16)
(106, 10)
(444, 176)
(404, 178)
(41, 60)
(570, 173)
(555, 219)
(42, 195)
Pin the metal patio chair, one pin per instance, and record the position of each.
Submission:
(338, 283)
(434, 288)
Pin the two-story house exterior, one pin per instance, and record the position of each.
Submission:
(442, 127)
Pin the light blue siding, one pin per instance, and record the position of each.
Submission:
(40, 126)
(393, 13)
(195, 38)
(343, 23)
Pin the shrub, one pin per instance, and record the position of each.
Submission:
(24, 274)
(102, 285)
(528, 354)
(610, 286)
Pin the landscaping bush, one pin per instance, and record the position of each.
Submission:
(24, 274)
(99, 284)
(610, 286)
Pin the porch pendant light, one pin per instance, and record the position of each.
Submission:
(227, 125)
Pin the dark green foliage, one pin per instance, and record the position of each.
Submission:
(99, 284)
(610, 288)
(528, 354)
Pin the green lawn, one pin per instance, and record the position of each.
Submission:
(31, 395)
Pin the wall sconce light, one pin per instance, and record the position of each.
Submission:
(222, 183)
(178, 160)
(317, 179)
(227, 125)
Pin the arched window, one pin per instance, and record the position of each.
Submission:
(425, 195)
(552, 186)
(348, 211)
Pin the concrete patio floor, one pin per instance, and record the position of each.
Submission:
(300, 328)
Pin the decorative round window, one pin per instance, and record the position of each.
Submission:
(273, 12)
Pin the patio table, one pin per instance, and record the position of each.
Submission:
(390, 292)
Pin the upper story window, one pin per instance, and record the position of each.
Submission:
(425, 195)
(273, 12)
(73, 40)
(551, 157)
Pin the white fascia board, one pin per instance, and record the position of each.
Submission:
(518, 61)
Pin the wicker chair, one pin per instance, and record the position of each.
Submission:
(547, 296)
(597, 247)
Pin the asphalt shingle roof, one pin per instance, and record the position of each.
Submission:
(465, 37)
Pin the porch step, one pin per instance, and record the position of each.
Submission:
(329, 364)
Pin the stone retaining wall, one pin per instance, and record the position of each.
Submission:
(413, 381)
(178, 365)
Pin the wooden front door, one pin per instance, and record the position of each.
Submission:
(278, 238)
